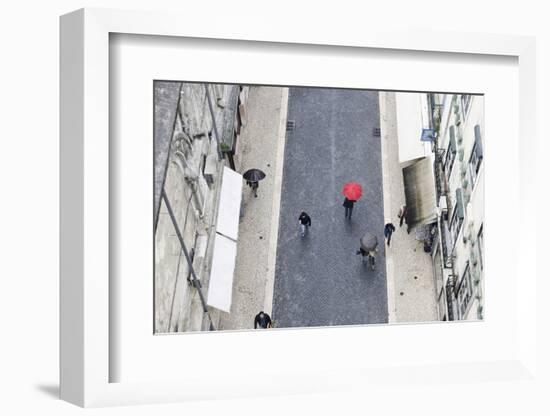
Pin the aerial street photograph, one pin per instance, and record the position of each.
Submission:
(296, 207)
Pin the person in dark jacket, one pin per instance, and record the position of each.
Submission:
(254, 185)
(263, 320)
(305, 222)
(367, 255)
(389, 228)
(348, 205)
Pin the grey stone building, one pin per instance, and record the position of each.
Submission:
(443, 171)
(458, 125)
(196, 132)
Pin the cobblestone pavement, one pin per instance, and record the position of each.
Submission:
(411, 287)
(319, 279)
(262, 146)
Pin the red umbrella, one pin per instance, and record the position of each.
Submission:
(352, 191)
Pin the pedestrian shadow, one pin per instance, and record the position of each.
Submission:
(354, 229)
(306, 241)
(363, 267)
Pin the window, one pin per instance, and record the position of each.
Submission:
(456, 223)
(477, 155)
(465, 292)
(480, 245)
(475, 163)
(458, 215)
(450, 302)
(446, 239)
(451, 152)
(466, 101)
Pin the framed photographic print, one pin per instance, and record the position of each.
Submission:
(225, 259)
(318, 213)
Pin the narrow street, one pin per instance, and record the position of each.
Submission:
(319, 280)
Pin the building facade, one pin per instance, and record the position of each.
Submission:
(457, 252)
(196, 133)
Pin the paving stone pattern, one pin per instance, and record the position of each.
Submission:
(258, 150)
(319, 280)
(409, 268)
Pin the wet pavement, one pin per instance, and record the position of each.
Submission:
(319, 280)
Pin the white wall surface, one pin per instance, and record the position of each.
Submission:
(29, 212)
(408, 107)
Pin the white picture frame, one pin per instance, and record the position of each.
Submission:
(85, 354)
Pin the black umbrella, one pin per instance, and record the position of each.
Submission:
(369, 242)
(253, 175)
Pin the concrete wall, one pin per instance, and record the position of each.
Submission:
(409, 107)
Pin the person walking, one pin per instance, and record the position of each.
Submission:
(263, 320)
(348, 205)
(389, 228)
(369, 255)
(252, 177)
(305, 222)
(401, 215)
(254, 185)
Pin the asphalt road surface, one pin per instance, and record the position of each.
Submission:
(319, 279)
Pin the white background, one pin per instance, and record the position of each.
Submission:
(29, 213)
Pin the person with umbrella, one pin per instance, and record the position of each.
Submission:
(352, 192)
(253, 177)
(367, 248)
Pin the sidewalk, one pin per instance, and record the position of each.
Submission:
(262, 147)
(411, 287)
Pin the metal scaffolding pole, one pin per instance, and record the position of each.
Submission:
(195, 279)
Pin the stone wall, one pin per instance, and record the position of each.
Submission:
(191, 183)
